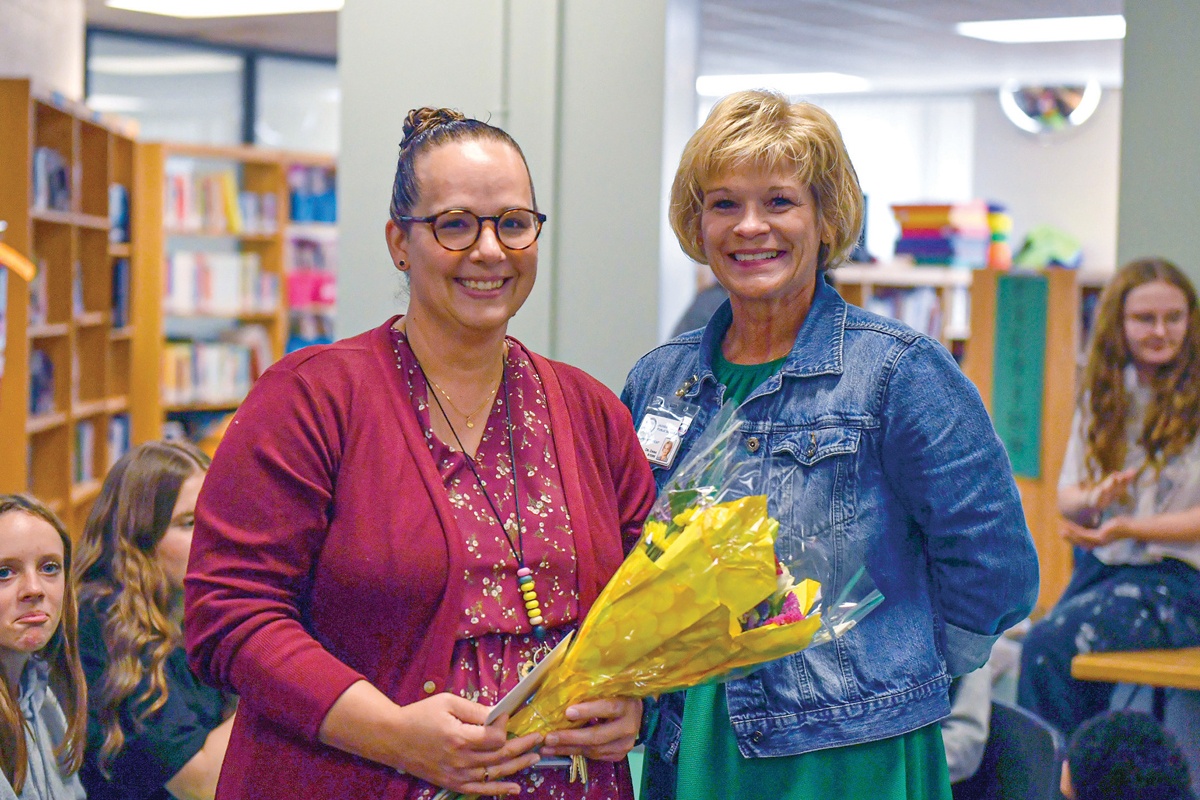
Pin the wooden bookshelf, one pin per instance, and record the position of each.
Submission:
(162, 232)
(47, 451)
(1070, 294)
(1065, 309)
(860, 284)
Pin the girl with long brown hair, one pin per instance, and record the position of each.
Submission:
(154, 731)
(1129, 493)
(43, 697)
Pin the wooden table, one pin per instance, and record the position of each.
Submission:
(1179, 669)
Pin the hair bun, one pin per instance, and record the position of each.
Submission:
(420, 120)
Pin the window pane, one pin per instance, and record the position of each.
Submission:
(299, 102)
(177, 92)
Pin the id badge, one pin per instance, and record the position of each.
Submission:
(663, 427)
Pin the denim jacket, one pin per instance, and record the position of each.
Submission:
(899, 468)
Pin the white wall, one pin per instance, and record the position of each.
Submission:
(43, 40)
(1160, 153)
(905, 149)
(1067, 179)
(580, 85)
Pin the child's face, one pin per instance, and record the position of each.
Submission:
(32, 582)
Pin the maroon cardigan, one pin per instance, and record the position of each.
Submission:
(323, 542)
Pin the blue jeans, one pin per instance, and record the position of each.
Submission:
(1126, 607)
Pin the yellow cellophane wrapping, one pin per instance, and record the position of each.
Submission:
(673, 622)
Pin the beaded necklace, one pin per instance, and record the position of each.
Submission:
(525, 583)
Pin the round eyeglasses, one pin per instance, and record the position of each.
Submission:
(458, 228)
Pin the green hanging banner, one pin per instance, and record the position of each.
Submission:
(1018, 369)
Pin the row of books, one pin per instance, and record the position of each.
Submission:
(313, 194)
(51, 180)
(218, 284)
(312, 271)
(118, 438)
(973, 234)
(919, 308)
(210, 373)
(212, 203)
(39, 299)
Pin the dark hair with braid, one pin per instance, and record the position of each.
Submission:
(1173, 417)
(429, 128)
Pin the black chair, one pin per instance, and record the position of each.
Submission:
(1022, 760)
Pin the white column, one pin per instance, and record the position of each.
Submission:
(581, 86)
(43, 40)
(1160, 143)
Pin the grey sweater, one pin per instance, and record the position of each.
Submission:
(45, 728)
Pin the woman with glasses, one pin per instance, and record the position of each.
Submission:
(1129, 492)
(398, 525)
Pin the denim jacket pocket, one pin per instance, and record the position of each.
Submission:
(812, 487)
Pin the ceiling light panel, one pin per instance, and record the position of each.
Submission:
(198, 9)
(1048, 29)
(182, 64)
(796, 83)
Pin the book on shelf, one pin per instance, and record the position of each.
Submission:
(970, 216)
(119, 437)
(118, 213)
(51, 180)
(121, 284)
(78, 308)
(85, 451)
(311, 270)
(39, 300)
(312, 191)
(948, 250)
(41, 382)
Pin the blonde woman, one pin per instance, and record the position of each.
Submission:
(41, 741)
(1129, 493)
(154, 731)
(879, 427)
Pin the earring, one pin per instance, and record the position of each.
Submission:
(400, 264)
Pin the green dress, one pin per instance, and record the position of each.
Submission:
(907, 767)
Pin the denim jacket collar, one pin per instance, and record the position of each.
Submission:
(816, 351)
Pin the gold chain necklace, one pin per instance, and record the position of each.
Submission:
(486, 402)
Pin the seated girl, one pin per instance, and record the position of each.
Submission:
(41, 740)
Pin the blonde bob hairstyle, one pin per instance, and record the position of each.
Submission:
(764, 130)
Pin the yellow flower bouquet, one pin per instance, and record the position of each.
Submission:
(702, 595)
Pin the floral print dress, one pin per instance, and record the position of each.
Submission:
(495, 641)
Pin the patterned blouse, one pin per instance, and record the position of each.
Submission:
(495, 640)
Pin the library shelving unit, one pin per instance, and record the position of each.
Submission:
(66, 405)
(1069, 302)
(933, 300)
(213, 229)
